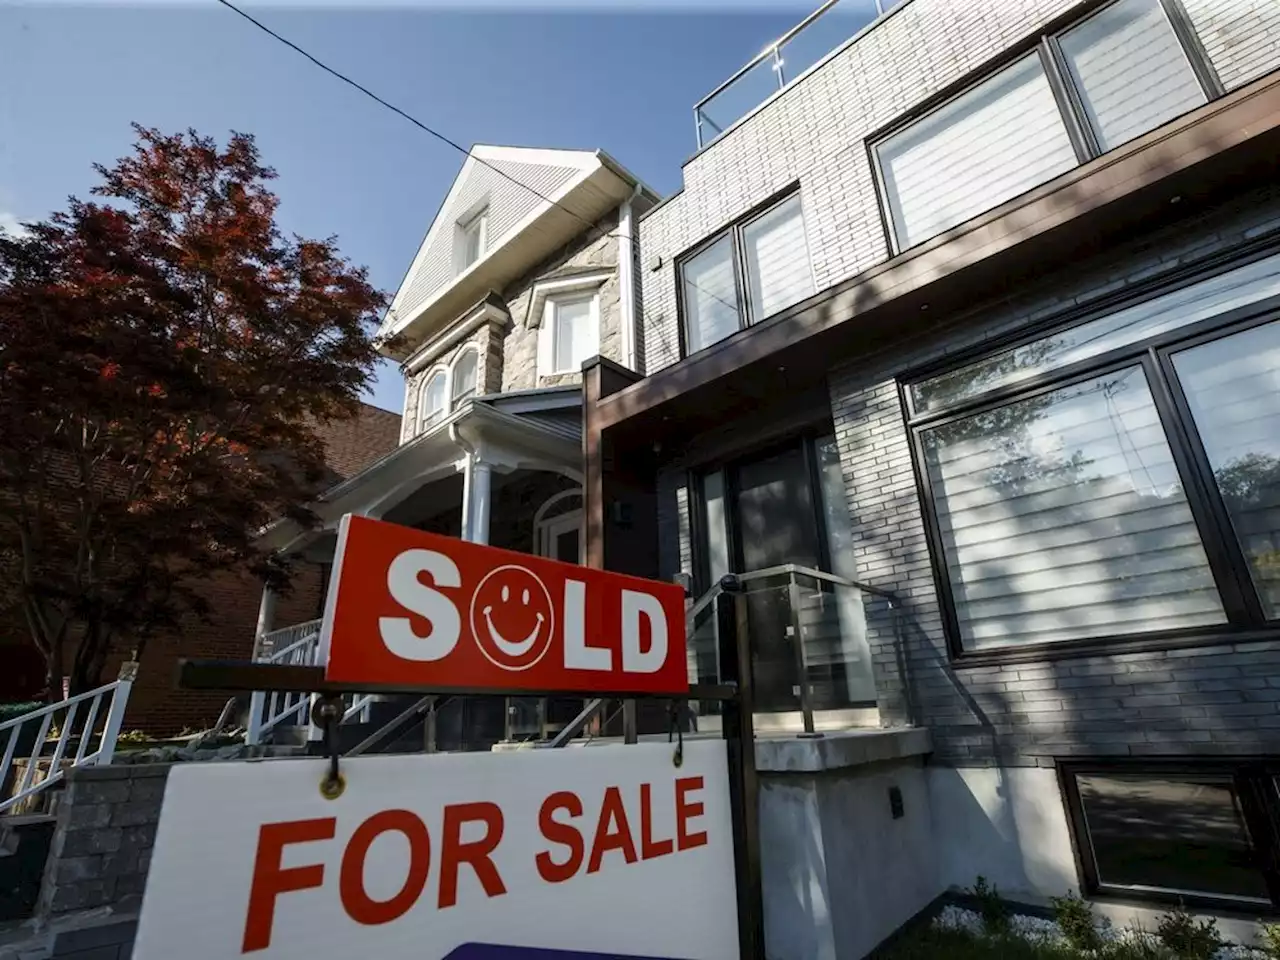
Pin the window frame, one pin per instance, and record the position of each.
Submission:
(440, 370)
(738, 258)
(1259, 806)
(1243, 608)
(551, 308)
(478, 221)
(1069, 99)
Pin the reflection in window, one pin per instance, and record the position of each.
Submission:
(1180, 308)
(1130, 69)
(1233, 388)
(433, 400)
(778, 273)
(851, 629)
(464, 376)
(710, 295)
(1178, 834)
(1062, 517)
(993, 142)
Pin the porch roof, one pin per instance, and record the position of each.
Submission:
(531, 429)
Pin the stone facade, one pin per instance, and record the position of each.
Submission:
(595, 252)
(508, 351)
(107, 818)
(815, 132)
(486, 341)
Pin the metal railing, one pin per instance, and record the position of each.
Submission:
(808, 631)
(782, 62)
(78, 742)
(297, 645)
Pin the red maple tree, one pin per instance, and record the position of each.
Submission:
(164, 357)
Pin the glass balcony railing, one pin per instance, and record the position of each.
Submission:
(783, 61)
(807, 631)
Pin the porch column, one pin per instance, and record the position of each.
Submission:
(480, 486)
(266, 617)
(476, 483)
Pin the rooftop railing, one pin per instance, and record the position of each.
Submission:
(783, 61)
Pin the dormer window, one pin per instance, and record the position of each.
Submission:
(473, 235)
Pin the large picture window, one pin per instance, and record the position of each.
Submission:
(1116, 479)
(1191, 832)
(1123, 70)
(744, 275)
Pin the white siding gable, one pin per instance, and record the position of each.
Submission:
(481, 184)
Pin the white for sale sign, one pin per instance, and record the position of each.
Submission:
(530, 855)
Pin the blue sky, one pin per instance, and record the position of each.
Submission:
(623, 79)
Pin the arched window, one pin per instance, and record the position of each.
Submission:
(433, 405)
(464, 375)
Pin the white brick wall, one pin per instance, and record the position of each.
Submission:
(815, 132)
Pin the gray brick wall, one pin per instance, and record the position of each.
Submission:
(107, 818)
(814, 133)
(1221, 699)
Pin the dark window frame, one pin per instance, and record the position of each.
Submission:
(734, 231)
(1069, 99)
(1245, 616)
(1259, 797)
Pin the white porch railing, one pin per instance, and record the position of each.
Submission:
(76, 720)
(297, 645)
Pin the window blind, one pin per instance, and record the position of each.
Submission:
(1130, 70)
(710, 295)
(1063, 518)
(992, 143)
(778, 272)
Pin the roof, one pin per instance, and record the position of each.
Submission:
(353, 444)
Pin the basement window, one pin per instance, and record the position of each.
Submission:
(1188, 832)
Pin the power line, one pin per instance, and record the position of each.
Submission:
(438, 135)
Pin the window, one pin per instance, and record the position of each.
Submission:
(570, 331)
(994, 142)
(1122, 71)
(1129, 70)
(464, 376)
(473, 237)
(1195, 832)
(575, 332)
(434, 400)
(1070, 501)
(744, 275)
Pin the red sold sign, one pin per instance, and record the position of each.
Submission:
(418, 609)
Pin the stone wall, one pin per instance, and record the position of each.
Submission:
(596, 250)
(101, 850)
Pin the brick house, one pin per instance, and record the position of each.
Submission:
(961, 354)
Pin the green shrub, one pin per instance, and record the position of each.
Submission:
(995, 912)
(10, 710)
(1271, 940)
(1187, 939)
(1074, 917)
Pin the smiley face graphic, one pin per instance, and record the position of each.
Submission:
(512, 618)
